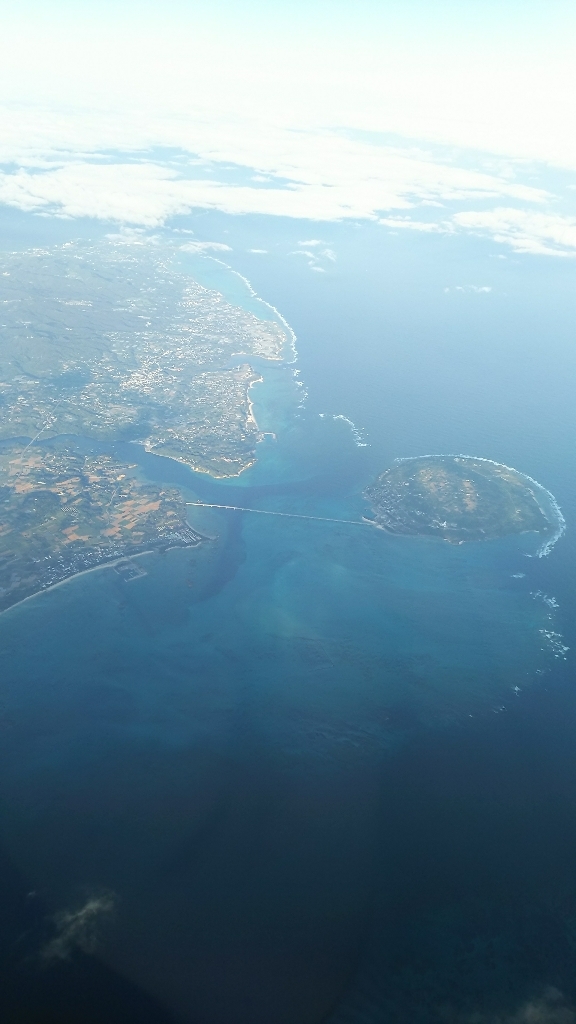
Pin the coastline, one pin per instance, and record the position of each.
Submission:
(96, 568)
(447, 540)
(559, 526)
(197, 469)
(251, 417)
(250, 421)
(290, 334)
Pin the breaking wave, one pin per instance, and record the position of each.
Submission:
(358, 435)
(291, 334)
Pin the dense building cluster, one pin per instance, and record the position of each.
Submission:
(109, 343)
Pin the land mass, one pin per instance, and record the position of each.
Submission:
(105, 343)
(459, 499)
(114, 341)
(64, 511)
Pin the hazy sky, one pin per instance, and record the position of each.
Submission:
(348, 108)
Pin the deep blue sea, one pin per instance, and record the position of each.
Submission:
(321, 773)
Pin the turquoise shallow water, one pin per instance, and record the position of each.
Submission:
(222, 743)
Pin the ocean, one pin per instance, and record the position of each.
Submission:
(314, 772)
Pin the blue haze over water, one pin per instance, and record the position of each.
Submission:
(327, 773)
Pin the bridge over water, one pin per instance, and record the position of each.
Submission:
(287, 515)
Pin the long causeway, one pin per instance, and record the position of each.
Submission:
(287, 515)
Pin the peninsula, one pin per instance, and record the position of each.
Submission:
(115, 342)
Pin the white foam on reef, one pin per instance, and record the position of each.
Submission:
(551, 500)
(277, 313)
(554, 643)
(303, 394)
(357, 434)
(550, 601)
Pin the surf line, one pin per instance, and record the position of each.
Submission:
(287, 515)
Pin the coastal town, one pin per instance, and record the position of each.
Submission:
(103, 343)
(64, 511)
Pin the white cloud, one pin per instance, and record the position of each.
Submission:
(147, 194)
(315, 257)
(474, 75)
(478, 289)
(413, 225)
(143, 194)
(83, 164)
(205, 246)
(526, 231)
(167, 107)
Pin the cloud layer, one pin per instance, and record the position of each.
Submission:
(249, 116)
(73, 166)
(525, 231)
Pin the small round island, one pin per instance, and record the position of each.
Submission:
(460, 498)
